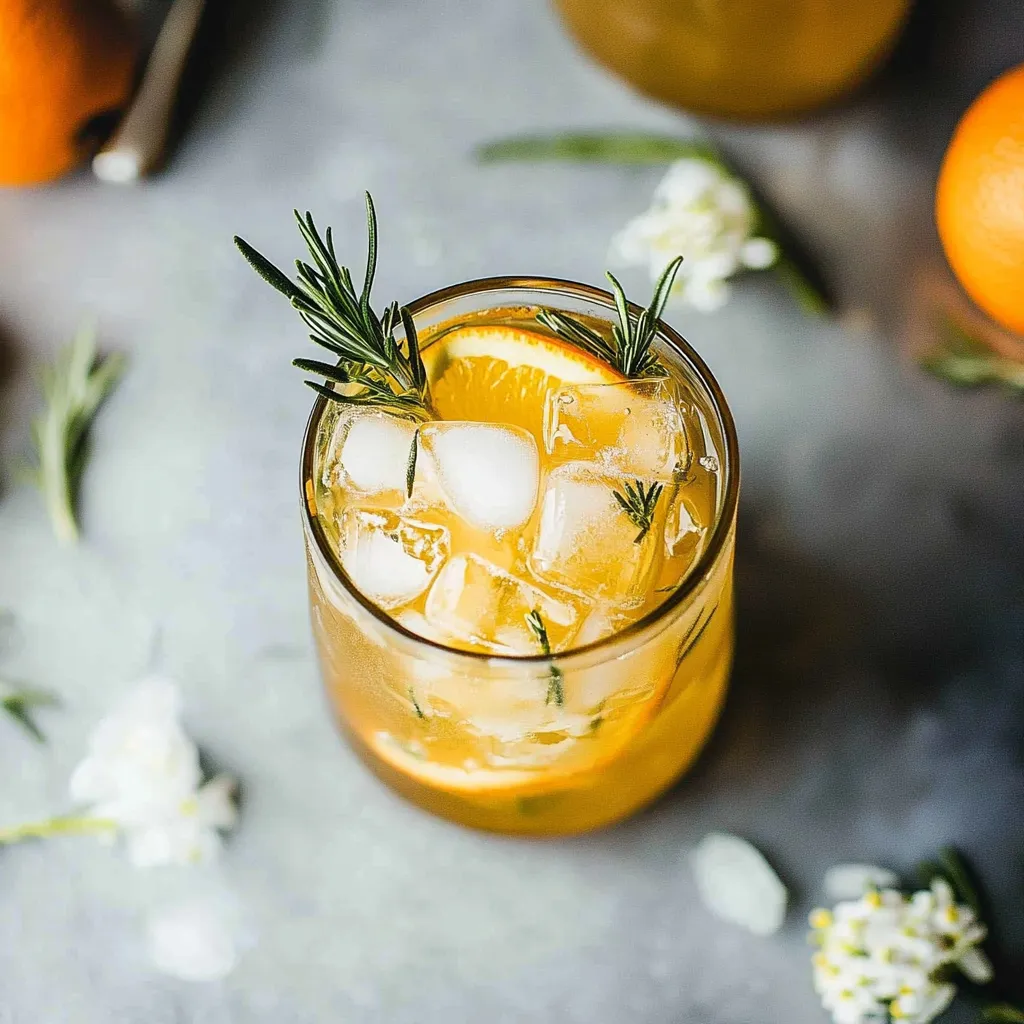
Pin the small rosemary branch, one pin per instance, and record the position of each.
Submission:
(966, 361)
(639, 504)
(629, 349)
(373, 367)
(18, 702)
(556, 680)
(74, 385)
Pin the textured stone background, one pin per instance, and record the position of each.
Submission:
(878, 702)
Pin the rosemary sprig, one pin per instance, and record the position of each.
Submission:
(373, 367)
(629, 349)
(599, 147)
(19, 702)
(961, 359)
(556, 680)
(73, 385)
(639, 504)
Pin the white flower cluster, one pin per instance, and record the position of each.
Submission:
(142, 774)
(707, 216)
(883, 956)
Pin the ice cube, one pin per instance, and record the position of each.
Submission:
(373, 451)
(587, 543)
(481, 604)
(601, 622)
(683, 529)
(634, 426)
(489, 474)
(389, 557)
(416, 622)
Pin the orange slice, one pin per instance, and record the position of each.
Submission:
(497, 374)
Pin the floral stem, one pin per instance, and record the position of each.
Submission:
(65, 825)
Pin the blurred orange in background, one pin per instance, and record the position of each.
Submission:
(979, 205)
(65, 67)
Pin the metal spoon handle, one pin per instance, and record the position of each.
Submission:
(137, 146)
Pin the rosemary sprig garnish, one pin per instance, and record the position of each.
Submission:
(629, 350)
(73, 386)
(639, 504)
(373, 367)
(19, 702)
(556, 680)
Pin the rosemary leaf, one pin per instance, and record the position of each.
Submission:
(416, 704)
(19, 703)
(959, 876)
(410, 470)
(1002, 1013)
(74, 386)
(556, 678)
(619, 147)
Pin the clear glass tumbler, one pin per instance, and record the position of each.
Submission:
(469, 736)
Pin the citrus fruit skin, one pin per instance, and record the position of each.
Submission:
(979, 207)
(62, 63)
(498, 374)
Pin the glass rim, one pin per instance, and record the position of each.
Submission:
(698, 572)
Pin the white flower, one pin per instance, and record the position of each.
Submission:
(705, 215)
(881, 956)
(142, 773)
(737, 884)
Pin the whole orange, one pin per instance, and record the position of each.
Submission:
(979, 205)
(63, 65)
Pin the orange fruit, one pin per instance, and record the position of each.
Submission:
(979, 204)
(64, 66)
(496, 374)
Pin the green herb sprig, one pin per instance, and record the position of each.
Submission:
(19, 703)
(963, 360)
(74, 386)
(373, 367)
(629, 349)
(639, 503)
(556, 680)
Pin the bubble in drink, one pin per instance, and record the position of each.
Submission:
(479, 604)
(634, 426)
(489, 474)
(390, 558)
(585, 540)
(373, 452)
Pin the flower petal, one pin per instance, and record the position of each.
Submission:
(216, 803)
(196, 941)
(737, 884)
(851, 881)
(975, 966)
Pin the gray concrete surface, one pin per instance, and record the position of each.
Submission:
(878, 702)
